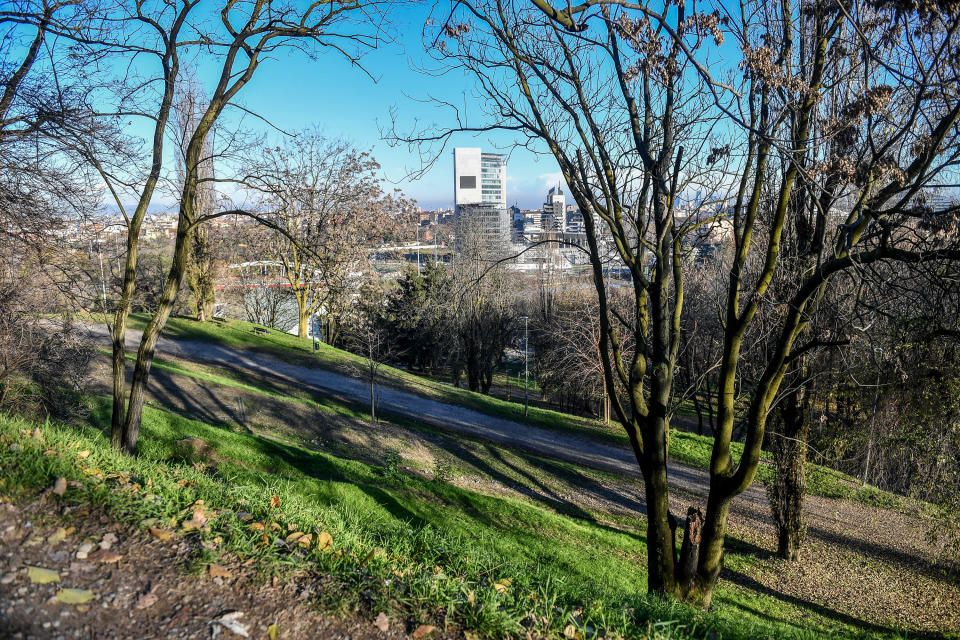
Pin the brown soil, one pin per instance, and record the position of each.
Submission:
(147, 591)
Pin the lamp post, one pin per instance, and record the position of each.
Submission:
(526, 373)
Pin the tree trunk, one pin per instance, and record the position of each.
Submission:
(148, 343)
(788, 444)
(699, 409)
(661, 540)
(690, 550)
(302, 317)
(373, 397)
(118, 414)
(710, 560)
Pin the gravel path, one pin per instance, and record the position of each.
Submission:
(584, 451)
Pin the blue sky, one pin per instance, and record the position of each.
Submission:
(294, 93)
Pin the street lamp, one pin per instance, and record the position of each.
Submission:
(526, 374)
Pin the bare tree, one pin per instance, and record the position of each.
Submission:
(203, 264)
(368, 334)
(481, 307)
(238, 36)
(328, 208)
(627, 98)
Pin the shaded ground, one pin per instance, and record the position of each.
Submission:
(860, 563)
(139, 586)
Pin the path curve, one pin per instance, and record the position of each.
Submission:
(584, 451)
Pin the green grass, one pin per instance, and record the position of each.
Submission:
(238, 334)
(685, 447)
(422, 550)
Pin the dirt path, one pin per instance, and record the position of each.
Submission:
(593, 454)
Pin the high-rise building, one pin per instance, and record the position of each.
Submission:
(555, 211)
(480, 195)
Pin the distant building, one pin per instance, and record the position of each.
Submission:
(555, 211)
(574, 219)
(480, 196)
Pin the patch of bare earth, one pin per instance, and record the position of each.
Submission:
(94, 578)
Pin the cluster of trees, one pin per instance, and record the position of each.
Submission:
(457, 318)
(809, 136)
(79, 77)
(810, 132)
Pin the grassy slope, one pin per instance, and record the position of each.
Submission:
(438, 552)
(688, 448)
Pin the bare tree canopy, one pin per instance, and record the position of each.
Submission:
(814, 135)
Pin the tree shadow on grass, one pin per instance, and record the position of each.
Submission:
(821, 610)
(914, 562)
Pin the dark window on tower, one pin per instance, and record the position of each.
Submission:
(468, 182)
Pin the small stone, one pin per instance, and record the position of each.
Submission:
(109, 539)
(8, 578)
(85, 550)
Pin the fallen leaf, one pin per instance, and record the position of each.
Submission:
(502, 585)
(305, 540)
(382, 622)
(108, 540)
(102, 555)
(325, 541)
(160, 534)
(83, 454)
(218, 571)
(570, 631)
(60, 486)
(293, 537)
(423, 630)
(148, 599)
(472, 598)
(274, 501)
(470, 635)
(256, 526)
(74, 596)
(39, 575)
(367, 558)
(57, 536)
(192, 525)
(231, 622)
(273, 631)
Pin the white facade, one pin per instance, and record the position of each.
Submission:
(480, 195)
(479, 178)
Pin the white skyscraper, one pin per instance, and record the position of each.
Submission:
(480, 194)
